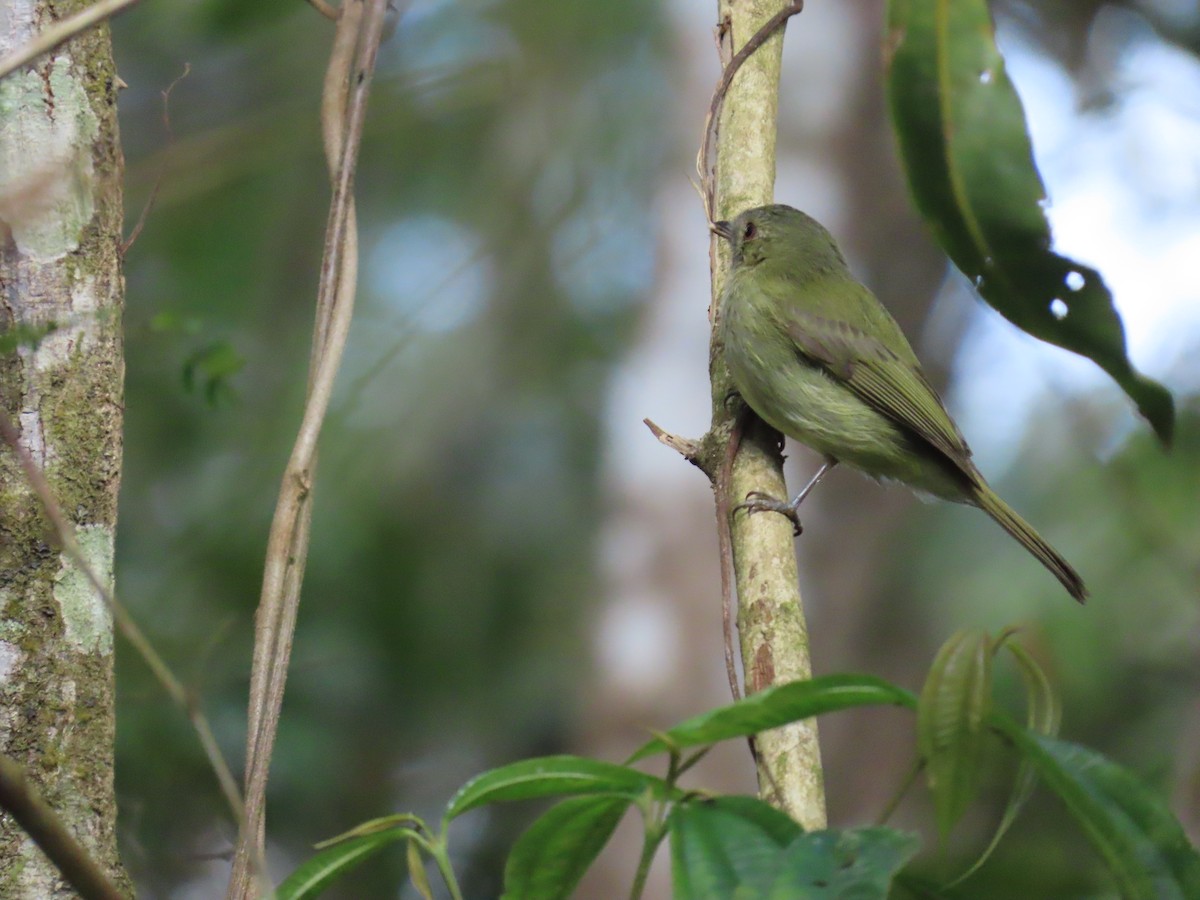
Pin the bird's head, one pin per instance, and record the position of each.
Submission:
(775, 232)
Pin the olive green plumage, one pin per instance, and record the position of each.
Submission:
(818, 357)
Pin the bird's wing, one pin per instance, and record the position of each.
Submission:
(893, 385)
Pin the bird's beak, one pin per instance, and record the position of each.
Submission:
(722, 229)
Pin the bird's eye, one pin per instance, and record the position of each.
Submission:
(749, 232)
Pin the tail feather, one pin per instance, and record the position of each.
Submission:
(990, 503)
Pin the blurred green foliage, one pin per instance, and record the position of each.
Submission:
(507, 243)
(1124, 665)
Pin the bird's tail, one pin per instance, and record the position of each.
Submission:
(990, 503)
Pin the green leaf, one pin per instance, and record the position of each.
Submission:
(838, 865)
(1045, 710)
(416, 871)
(214, 366)
(778, 706)
(951, 723)
(553, 854)
(549, 775)
(377, 825)
(313, 876)
(1142, 843)
(1043, 717)
(774, 823)
(725, 850)
(717, 851)
(963, 142)
(170, 322)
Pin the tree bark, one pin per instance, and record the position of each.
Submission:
(61, 374)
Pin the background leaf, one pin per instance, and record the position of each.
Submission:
(416, 871)
(1141, 841)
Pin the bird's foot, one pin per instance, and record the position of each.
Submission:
(757, 501)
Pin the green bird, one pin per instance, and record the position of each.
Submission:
(818, 357)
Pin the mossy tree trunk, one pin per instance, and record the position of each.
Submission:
(61, 373)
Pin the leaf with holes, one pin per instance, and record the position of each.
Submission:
(969, 162)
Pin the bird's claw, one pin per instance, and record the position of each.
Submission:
(757, 501)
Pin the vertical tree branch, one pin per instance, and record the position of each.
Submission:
(772, 631)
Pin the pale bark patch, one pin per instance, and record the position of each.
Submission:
(17, 23)
(10, 660)
(46, 198)
(86, 619)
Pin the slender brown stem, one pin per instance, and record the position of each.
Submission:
(329, 12)
(22, 801)
(725, 552)
(707, 192)
(61, 32)
(348, 80)
(129, 629)
(703, 167)
(150, 201)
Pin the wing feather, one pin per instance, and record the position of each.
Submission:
(894, 386)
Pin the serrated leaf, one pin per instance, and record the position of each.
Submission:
(778, 706)
(718, 851)
(951, 723)
(721, 850)
(553, 854)
(547, 776)
(774, 823)
(330, 864)
(969, 162)
(839, 865)
(1140, 840)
